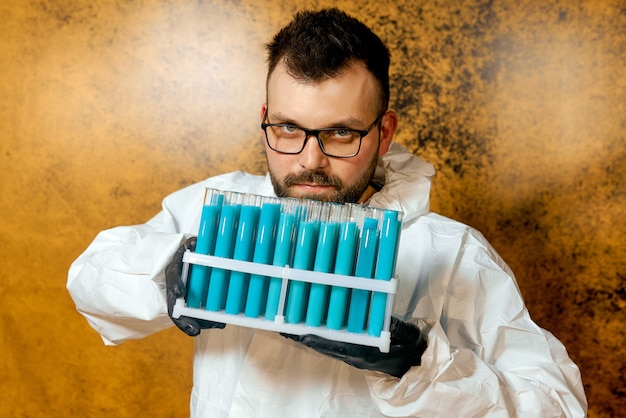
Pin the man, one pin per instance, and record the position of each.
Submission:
(484, 356)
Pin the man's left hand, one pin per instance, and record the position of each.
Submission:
(407, 346)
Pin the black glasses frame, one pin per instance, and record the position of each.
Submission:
(316, 132)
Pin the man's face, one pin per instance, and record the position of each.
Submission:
(349, 100)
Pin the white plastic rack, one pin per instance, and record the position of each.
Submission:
(287, 274)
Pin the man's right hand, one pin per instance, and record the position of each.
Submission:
(176, 289)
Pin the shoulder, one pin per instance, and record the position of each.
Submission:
(407, 181)
(454, 241)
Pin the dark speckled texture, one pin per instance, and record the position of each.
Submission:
(105, 107)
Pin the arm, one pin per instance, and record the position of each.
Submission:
(118, 283)
(485, 356)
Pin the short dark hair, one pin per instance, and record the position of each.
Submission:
(318, 45)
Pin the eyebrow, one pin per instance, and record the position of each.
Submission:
(349, 122)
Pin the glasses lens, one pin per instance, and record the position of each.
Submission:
(285, 138)
(340, 142)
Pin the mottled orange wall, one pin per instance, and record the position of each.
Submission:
(105, 107)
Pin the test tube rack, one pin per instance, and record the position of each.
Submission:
(287, 274)
(294, 266)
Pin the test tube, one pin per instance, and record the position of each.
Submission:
(224, 246)
(209, 221)
(244, 250)
(304, 257)
(330, 217)
(366, 259)
(285, 235)
(263, 253)
(385, 264)
(344, 265)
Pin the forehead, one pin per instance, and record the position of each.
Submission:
(353, 93)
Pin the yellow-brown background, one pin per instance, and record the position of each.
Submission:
(105, 107)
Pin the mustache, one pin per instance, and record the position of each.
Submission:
(316, 177)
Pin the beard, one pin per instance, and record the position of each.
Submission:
(341, 193)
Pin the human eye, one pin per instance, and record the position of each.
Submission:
(340, 134)
(289, 131)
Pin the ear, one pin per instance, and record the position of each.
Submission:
(262, 116)
(388, 125)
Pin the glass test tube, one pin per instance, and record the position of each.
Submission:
(209, 221)
(385, 264)
(263, 253)
(344, 265)
(331, 216)
(285, 235)
(244, 249)
(224, 246)
(304, 257)
(366, 259)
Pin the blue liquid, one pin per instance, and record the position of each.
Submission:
(263, 253)
(224, 246)
(303, 259)
(346, 256)
(282, 257)
(359, 303)
(384, 270)
(199, 276)
(244, 248)
(324, 262)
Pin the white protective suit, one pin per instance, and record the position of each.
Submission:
(485, 355)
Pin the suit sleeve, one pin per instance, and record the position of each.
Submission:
(485, 355)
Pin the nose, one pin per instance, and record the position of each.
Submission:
(312, 157)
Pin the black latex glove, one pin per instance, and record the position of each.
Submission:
(406, 349)
(176, 289)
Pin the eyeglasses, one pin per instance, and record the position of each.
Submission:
(334, 142)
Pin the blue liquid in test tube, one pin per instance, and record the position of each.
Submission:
(359, 302)
(224, 246)
(346, 256)
(303, 259)
(263, 253)
(324, 262)
(384, 269)
(209, 222)
(244, 248)
(287, 227)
